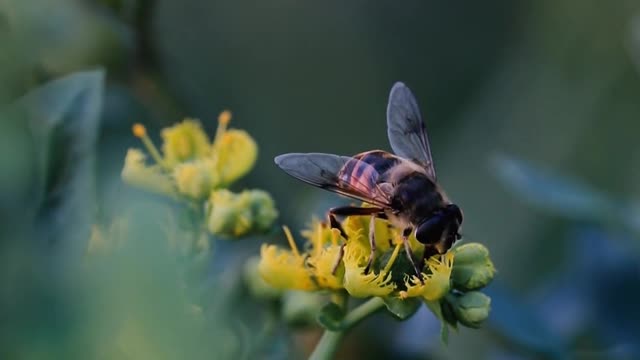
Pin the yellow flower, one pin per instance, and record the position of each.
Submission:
(357, 228)
(184, 142)
(324, 252)
(359, 284)
(235, 152)
(285, 269)
(436, 284)
(322, 264)
(195, 179)
(136, 173)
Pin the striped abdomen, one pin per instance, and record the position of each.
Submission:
(366, 170)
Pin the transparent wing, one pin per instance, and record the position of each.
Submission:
(326, 171)
(406, 130)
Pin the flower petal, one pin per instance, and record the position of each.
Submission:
(150, 178)
(284, 270)
(184, 142)
(359, 284)
(436, 284)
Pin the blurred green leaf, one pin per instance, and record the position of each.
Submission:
(402, 309)
(330, 317)
(564, 196)
(561, 195)
(63, 117)
(517, 324)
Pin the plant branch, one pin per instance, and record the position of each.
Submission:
(328, 344)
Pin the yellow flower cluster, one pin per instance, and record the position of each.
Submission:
(321, 267)
(192, 167)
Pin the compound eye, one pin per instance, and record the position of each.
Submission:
(457, 211)
(430, 230)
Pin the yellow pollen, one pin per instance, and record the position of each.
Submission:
(292, 242)
(223, 120)
(139, 130)
(226, 139)
(224, 117)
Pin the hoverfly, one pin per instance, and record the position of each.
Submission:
(400, 187)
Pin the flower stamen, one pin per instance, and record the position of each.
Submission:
(140, 132)
(223, 121)
(292, 242)
(392, 259)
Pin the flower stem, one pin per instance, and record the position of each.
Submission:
(328, 344)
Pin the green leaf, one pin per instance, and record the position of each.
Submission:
(443, 312)
(521, 326)
(565, 196)
(330, 317)
(435, 308)
(444, 333)
(558, 194)
(402, 309)
(62, 117)
(448, 315)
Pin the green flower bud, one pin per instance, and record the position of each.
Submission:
(264, 210)
(236, 215)
(184, 141)
(258, 288)
(472, 267)
(150, 178)
(226, 215)
(471, 308)
(300, 308)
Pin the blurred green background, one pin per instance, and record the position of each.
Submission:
(532, 109)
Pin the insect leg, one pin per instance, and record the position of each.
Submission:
(337, 263)
(335, 224)
(407, 249)
(372, 242)
(349, 211)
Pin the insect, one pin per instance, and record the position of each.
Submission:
(400, 187)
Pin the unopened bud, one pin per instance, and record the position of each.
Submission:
(300, 308)
(472, 267)
(471, 308)
(236, 215)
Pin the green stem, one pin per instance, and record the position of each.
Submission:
(340, 298)
(328, 344)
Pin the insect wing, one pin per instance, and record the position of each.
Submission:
(325, 171)
(406, 130)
